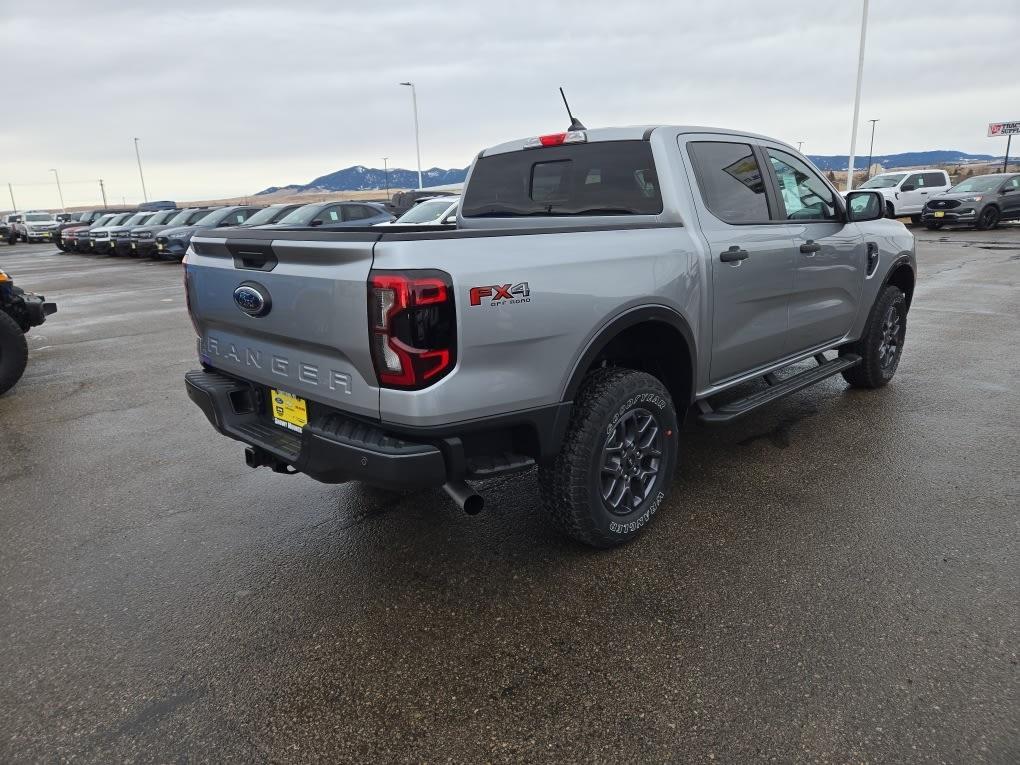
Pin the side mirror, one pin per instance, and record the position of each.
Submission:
(864, 205)
(316, 222)
(907, 187)
(1007, 190)
(449, 219)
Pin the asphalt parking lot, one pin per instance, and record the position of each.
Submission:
(835, 579)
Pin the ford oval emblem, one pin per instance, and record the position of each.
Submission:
(253, 299)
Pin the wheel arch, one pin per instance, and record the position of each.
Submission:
(654, 339)
(901, 275)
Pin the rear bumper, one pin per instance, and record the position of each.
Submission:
(335, 447)
(331, 448)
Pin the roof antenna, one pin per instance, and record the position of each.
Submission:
(575, 123)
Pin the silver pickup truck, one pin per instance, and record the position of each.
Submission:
(599, 286)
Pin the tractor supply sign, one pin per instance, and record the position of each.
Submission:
(1003, 128)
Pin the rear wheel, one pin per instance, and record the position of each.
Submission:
(989, 218)
(13, 352)
(881, 346)
(617, 459)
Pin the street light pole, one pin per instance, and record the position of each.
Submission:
(14, 204)
(857, 98)
(386, 175)
(799, 145)
(138, 156)
(871, 149)
(417, 142)
(61, 193)
(102, 190)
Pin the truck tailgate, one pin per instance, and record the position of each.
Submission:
(311, 338)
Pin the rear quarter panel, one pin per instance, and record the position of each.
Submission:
(519, 354)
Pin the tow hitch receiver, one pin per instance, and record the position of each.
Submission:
(255, 457)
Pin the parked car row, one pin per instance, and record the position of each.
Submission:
(928, 198)
(166, 233)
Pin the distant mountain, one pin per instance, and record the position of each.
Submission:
(361, 178)
(907, 159)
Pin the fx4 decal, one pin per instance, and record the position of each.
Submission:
(501, 294)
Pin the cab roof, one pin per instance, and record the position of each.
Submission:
(628, 133)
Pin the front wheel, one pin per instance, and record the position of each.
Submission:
(13, 352)
(989, 218)
(617, 458)
(890, 211)
(915, 220)
(881, 346)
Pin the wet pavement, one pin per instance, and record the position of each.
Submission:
(835, 579)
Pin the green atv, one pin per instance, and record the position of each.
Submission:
(19, 310)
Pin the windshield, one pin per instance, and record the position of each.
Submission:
(263, 216)
(102, 221)
(883, 181)
(212, 218)
(602, 178)
(426, 212)
(135, 220)
(162, 217)
(981, 183)
(180, 217)
(38, 216)
(301, 216)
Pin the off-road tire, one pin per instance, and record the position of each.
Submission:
(871, 372)
(13, 352)
(571, 484)
(988, 219)
(915, 220)
(890, 211)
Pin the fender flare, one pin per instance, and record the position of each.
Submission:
(656, 313)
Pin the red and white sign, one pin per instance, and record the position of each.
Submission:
(1003, 128)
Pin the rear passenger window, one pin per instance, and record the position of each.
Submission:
(357, 212)
(731, 181)
(933, 179)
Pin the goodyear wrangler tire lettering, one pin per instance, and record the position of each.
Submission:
(617, 459)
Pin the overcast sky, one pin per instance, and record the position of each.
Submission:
(230, 97)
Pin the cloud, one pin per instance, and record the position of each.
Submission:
(230, 97)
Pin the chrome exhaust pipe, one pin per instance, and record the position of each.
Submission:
(465, 497)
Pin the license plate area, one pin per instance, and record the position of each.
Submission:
(287, 410)
(940, 214)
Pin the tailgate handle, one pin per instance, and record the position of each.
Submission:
(252, 255)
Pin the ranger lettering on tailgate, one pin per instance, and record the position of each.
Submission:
(303, 371)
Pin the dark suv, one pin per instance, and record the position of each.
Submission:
(172, 243)
(143, 238)
(329, 215)
(982, 202)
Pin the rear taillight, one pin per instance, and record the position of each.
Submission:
(412, 326)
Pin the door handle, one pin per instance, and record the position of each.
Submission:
(810, 247)
(924, 193)
(734, 253)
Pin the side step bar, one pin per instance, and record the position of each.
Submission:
(777, 389)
